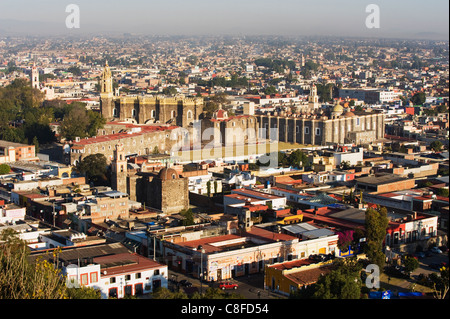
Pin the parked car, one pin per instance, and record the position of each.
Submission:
(185, 283)
(436, 250)
(444, 249)
(228, 285)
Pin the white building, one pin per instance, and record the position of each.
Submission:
(118, 275)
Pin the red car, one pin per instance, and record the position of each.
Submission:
(228, 285)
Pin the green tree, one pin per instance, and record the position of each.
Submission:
(298, 159)
(376, 223)
(94, 167)
(343, 282)
(74, 124)
(418, 98)
(442, 192)
(22, 279)
(188, 215)
(36, 144)
(164, 293)
(270, 90)
(83, 292)
(74, 70)
(79, 122)
(4, 169)
(410, 264)
(436, 146)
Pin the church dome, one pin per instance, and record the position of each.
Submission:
(168, 173)
(349, 114)
(337, 108)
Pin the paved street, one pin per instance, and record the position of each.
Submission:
(402, 285)
(250, 287)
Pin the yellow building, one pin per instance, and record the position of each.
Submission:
(288, 277)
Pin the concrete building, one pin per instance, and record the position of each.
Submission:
(384, 183)
(370, 96)
(109, 268)
(242, 253)
(148, 109)
(12, 152)
(135, 140)
(291, 276)
(323, 129)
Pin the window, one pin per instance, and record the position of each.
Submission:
(317, 131)
(156, 272)
(112, 280)
(138, 275)
(306, 130)
(127, 277)
(84, 279)
(112, 293)
(94, 277)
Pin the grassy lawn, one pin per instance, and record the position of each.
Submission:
(401, 285)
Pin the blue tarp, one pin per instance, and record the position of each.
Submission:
(410, 294)
(380, 294)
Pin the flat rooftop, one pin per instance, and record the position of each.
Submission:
(253, 238)
(381, 180)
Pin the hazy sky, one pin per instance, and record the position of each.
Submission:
(398, 18)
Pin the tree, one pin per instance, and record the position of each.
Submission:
(188, 217)
(36, 144)
(418, 98)
(298, 159)
(436, 146)
(376, 223)
(4, 169)
(83, 292)
(345, 239)
(442, 192)
(411, 264)
(94, 167)
(440, 282)
(74, 124)
(22, 279)
(164, 293)
(343, 282)
(79, 122)
(74, 70)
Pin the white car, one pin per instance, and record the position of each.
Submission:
(436, 250)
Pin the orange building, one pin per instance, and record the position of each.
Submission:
(12, 152)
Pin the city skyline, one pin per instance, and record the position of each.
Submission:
(398, 19)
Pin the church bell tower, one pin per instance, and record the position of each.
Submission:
(35, 77)
(119, 170)
(106, 93)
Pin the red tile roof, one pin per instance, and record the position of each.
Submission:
(124, 263)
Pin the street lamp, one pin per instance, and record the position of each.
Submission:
(202, 251)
